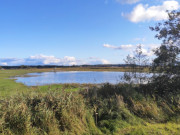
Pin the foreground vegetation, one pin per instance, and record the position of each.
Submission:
(109, 109)
(85, 109)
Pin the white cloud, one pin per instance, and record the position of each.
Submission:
(128, 1)
(11, 61)
(121, 47)
(95, 60)
(147, 50)
(43, 59)
(142, 13)
(50, 60)
(105, 61)
(40, 60)
(67, 60)
(3, 63)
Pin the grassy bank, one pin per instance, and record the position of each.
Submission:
(84, 109)
(110, 109)
(9, 87)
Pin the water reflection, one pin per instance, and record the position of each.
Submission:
(36, 79)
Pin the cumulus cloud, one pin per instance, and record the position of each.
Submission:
(121, 47)
(49, 60)
(147, 50)
(142, 13)
(95, 60)
(3, 63)
(105, 61)
(128, 1)
(13, 61)
(40, 60)
(43, 59)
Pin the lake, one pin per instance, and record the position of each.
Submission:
(93, 77)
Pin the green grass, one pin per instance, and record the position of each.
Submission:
(152, 129)
(9, 87)
(74, 109)
(121, 109)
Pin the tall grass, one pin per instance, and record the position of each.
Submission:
(121, 106)
(93, 110)
(51, 113)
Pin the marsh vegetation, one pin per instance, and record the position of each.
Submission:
(125, 108)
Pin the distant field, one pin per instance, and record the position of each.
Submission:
(115, 69)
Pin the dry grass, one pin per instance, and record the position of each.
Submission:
(50, 113)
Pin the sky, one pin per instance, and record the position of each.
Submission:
(76, 32)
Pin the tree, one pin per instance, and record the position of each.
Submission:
(24, 67)
(167, 62)
(137, 63)
(169, 33)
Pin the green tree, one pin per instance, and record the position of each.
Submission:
(24, 67)
(136, 63)
(167, 62)
(168, 53)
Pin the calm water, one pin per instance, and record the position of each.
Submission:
(36, 79)
(44, 78)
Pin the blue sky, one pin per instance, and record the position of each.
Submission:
(67, 32)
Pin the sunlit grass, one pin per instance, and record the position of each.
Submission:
(152, 129)
(9, 87)
(120, 109)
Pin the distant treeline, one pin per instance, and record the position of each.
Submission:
(58, 66)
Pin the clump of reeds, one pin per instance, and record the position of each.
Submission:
(103, 109)
(52, 113)
(123, 105)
